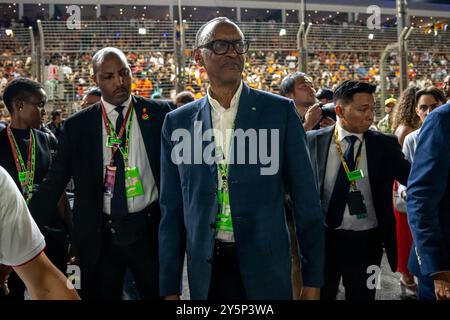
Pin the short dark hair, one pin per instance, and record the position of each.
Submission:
(346, 90)
(288, 83)
(18, 89)
(433, 91)
(184, 97)
(55, 113)
(94, 91)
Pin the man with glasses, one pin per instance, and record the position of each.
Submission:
(26, 156)
(228, 214)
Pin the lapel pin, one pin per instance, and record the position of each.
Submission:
(145, 116)
(144, 110)
(254, 108)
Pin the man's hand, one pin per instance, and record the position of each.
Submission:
(312, 117)
(5, 271)
(172, 297)
(309, 293)
(326, 122)
(442, 285)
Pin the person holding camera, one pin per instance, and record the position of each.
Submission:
(299, 87)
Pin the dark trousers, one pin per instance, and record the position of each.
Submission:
(348, 254)
(137, 251)
(226, 281)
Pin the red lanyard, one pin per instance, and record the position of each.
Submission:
(25, 174)
(108, 125)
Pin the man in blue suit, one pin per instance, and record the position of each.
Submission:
(428, 200)
(222, 201)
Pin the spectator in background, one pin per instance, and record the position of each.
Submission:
(183, 98)
(91, 97)
(405, 119)
(447, 88)
(385, 124)
(299, 87)
(55, 124)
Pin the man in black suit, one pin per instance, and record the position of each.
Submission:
(355, 169)
(112, 151)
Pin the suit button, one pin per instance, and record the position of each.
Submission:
(209, 260)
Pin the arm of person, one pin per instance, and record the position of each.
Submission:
(49, 192)
(172, 234)
(426, 187)
(44, 281)
(308, 214)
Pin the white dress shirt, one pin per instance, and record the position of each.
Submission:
(223, 122)
(137, 158)
(333, 164)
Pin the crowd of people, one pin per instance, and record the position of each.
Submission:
(143, 201)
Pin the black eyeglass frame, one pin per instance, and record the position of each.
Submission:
(210, 46)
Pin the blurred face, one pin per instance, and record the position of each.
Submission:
(222, 69)
(357, 115)
(425, 105)
(304, 94)
(89, 100)
(447, 87)
(29, 109)
(389, 107)
(113, 77)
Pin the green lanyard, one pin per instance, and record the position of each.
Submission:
(25, 173)
(123, 150)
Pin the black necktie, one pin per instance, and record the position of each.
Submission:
(119, 207)
(338, 199)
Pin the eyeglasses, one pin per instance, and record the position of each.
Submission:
(221, 47)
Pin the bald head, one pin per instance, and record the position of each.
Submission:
(100, 56)
(206, 31)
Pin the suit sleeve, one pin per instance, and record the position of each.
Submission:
(308, 215)
(426, 187)
(45, 199)
(172, 234)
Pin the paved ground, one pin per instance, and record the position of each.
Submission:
(389, 287)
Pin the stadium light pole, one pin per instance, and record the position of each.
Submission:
(301, 38)
(181, 65)
(402, 23)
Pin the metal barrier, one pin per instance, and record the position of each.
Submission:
(66, 57)
(18, 52)
(154, 49)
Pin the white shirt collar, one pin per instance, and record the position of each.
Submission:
(342, 133)
(233, 104)
(110, 107)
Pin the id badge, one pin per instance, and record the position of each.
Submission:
(112, 142)
(133, 183)
(356, 204)
(22, 176)
(355, 175)
(110, 178)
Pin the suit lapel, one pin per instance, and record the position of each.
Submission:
(248, 111)
(97, 148)
(322, 150)
(204, 116)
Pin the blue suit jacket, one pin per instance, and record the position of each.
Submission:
(189, 203)
(428, 200)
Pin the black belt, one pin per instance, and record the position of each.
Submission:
(224, 249)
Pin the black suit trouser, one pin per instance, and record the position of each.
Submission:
(139, 254)
(226, 281)
(348, 254)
